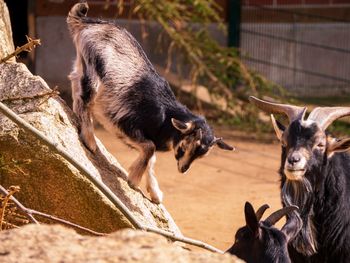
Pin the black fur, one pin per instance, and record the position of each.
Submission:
(261, 242)
(325, 207)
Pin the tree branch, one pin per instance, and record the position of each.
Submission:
(32, 43)
(30, 212)
(21, 207)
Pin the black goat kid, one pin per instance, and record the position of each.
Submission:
(114, 81)
(315, 176)
(261, 242)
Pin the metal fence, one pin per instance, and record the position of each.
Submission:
(307, 54)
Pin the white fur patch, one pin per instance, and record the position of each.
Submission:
(297, 170)
(152, 183)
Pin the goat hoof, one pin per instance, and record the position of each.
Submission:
(157, 197)
(134, 185)
(91, 147)
(89, 142)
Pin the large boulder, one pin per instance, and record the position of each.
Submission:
(38, 244)
(6, 43)
(49, 183)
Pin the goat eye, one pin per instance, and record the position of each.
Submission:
(320, 145)
(180, 153)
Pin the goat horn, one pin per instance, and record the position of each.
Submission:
(326, 115)
(259, 213)
(276, 216)
(278, 131)
(292, 112)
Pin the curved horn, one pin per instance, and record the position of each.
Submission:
(276, 216)
(292, 112)
(277, 129)
(326, 115)
(261, 211)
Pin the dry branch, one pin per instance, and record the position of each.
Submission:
(65, 222)
(13, 190)
(21, 207)
(32, 43)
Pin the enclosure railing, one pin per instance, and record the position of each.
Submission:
(299, 50)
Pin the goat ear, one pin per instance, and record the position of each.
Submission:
(184, 127)
(250, 219)
(278, 127)
(222, 145)
(292, 227)
(338, 146)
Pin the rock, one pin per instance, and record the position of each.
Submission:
(42, 243)
(51, 184)
(6, 43)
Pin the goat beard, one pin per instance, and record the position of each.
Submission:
(300, 193)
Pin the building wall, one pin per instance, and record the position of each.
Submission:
(305, 70)
(303, 45)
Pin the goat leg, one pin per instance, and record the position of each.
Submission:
(146, 149)
(152, 185)
(82, 93)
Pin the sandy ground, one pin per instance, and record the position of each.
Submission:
(207, 203)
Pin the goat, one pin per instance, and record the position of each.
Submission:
(261, 242)
(315, 176)
(114, 81)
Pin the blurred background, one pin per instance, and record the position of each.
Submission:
(302, 45)
(214, 54)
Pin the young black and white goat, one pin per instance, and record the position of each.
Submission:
(114, 81)
(315, 176)
(261, 242)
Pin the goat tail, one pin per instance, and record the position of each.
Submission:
(76, 15)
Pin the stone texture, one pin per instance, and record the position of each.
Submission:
(51, 184)
(6, 43)
(43, 243)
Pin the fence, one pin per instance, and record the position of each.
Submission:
(308, 54)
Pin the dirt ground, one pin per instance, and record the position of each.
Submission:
(207, 203)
